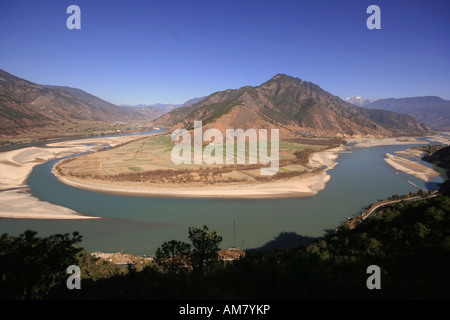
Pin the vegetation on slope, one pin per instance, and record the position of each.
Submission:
(439, 155)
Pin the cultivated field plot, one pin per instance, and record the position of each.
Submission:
(149, 161)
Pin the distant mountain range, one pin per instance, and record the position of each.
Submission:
(359, 101)
(164, 108)
(294, 106)
(432, 111)
(24, 104)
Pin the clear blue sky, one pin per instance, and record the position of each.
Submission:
(132, 52)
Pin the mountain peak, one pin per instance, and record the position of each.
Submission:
(358, 101)
(284, 77)
(280, 75)
(296, 107)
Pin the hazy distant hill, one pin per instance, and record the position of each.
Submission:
(166, 107)
(26, 104)
(150, 112)
(432, 111)
(294, 106)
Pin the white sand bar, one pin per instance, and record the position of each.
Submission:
(16, 166)
(410, 167)
(293, 187)
(372, 142)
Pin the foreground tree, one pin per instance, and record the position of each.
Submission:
(31, 266)
(173, 256)
(205, 248)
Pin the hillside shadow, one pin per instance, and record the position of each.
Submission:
(286, 240)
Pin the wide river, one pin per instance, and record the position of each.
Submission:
(139, 225)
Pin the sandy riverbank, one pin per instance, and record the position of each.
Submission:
(410, 167)
(443, 137)
(21, 205)
(399, 162)
(372, 142)
(411, 153)
(308, 185)
(16, 166)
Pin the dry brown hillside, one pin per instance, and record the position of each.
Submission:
(296, 107)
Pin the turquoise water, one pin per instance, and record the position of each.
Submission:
(140, 225)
